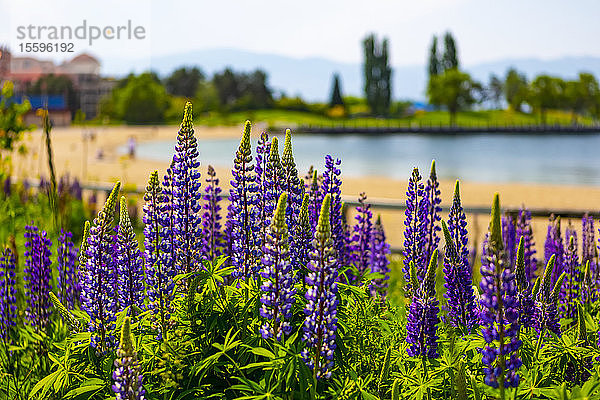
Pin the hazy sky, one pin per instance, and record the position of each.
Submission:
(485, 30)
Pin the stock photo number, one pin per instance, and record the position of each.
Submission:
(46, 47)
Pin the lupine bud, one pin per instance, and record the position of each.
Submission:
(38, 275)
(8, 293)
(278, 280)
(212, 237)
(546, 317)
(524, 295)
(320, 325)
(127, 378)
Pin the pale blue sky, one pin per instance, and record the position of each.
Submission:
(486, 30)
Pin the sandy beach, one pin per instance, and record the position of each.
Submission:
(79, 157)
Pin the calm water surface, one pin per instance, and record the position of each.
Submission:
(559, 159)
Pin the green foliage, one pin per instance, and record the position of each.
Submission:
(241, 91)
(454, 90)
(12, 125)
(184, 82)
(378, 74)
(450, 58)
(336, 93)
(516, 90)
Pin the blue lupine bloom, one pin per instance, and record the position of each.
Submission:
(293, 185)
(422, 319)
(380, 249)
(525, 301)
(524, 230)
(260, 216)
(459, 285)
(360, 249)
(332, 185)
(546, 316)
(588, 242)
(509, 237)
(302, 242)
(275, 181)
(499, 318)
(127, 377)
(278, 277)
(414, 233)
(569, 294)
(554, 246)
(212, 237)
(130, 267)
(320, 325)
(38, 275)
(243, 199)
(432, 227)
(8, 292)
(315, 200)
(68, 287)
(186, 196)
(97, 277)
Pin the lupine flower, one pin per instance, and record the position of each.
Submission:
(422, 319)
(360, 251)
(509, 237)
(554, 246)
(588, 239)
(97, 277)
(260, 216)
(278, 279)
(212, 237)
(432, 228)
(524, 294)
(320, 325)
(275, 180)
(130, 267)
(524, 230)
(83, 254)
(546, 317)
(292, 185)
(127, 377)
(8, 292)
(414, 233)
(242, 197)
(65, 314)
(379, 261)
(459, 285)
(569, 294)
(68, 285)
(186, 196)
(315, 200)
(302, 242)
(38, 275)
(500, 318)
(331, 185)
(346, 257)
(158, 251)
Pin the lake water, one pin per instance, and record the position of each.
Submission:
(558, 159)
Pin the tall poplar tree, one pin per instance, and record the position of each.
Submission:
(434, 61)
(336, 92)
(378, 75)
(450, 59)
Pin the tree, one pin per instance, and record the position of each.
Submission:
(453, 89)
(378, 75)
(589, 93)
(515, 89)
(56, 85)
(184, 82)
(435, 66)
(12, 125)
(547, 92)
(336, 93)
(237, 91)
(450, 58)
(494, 90)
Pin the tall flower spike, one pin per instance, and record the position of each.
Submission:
(130, 268)
(509, 236)
(525, 302)
(320, 325)
(83, 248)
(260, 216)
(68, 284)
(302, 242)
(127, 377)
(546, 313)
(278, 279)
(588, 239)
(212, 237)
(242, 197)
(524, 230)
(459, 286)
(186, 196)
(332, 185)
(432, 227)
(293, 185)
(379, 261)
(315, 200)
(554, 246)
(38, 275)
(569, 295)
(96, 293)
(414, 232)
(422, 319)
(275, 180)
(500, 310)
(361, 238)
(8, 293)
(457, 226)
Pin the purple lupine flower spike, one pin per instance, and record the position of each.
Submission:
(315, 200)
(525, 301)
(186, 196)
(275, 180)
(414, 233)
(380, 249)
(130, 267)
(524, 230)
(433, 209)
(293, 185)
(127, 377)
(422, 319)
(554, 246)
(361, 237)
(97, 276)
(320, 325)
(278, 278)
(500, 318)
(459, 285)
(509, 237)
(243, 199)
(8, 293)
(302, 242)
(69, 289)
(332, 185)
(212, 237)
(38, 275)
(546, 316)
(260, 216)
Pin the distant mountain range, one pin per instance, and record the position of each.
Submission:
(311, 78)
